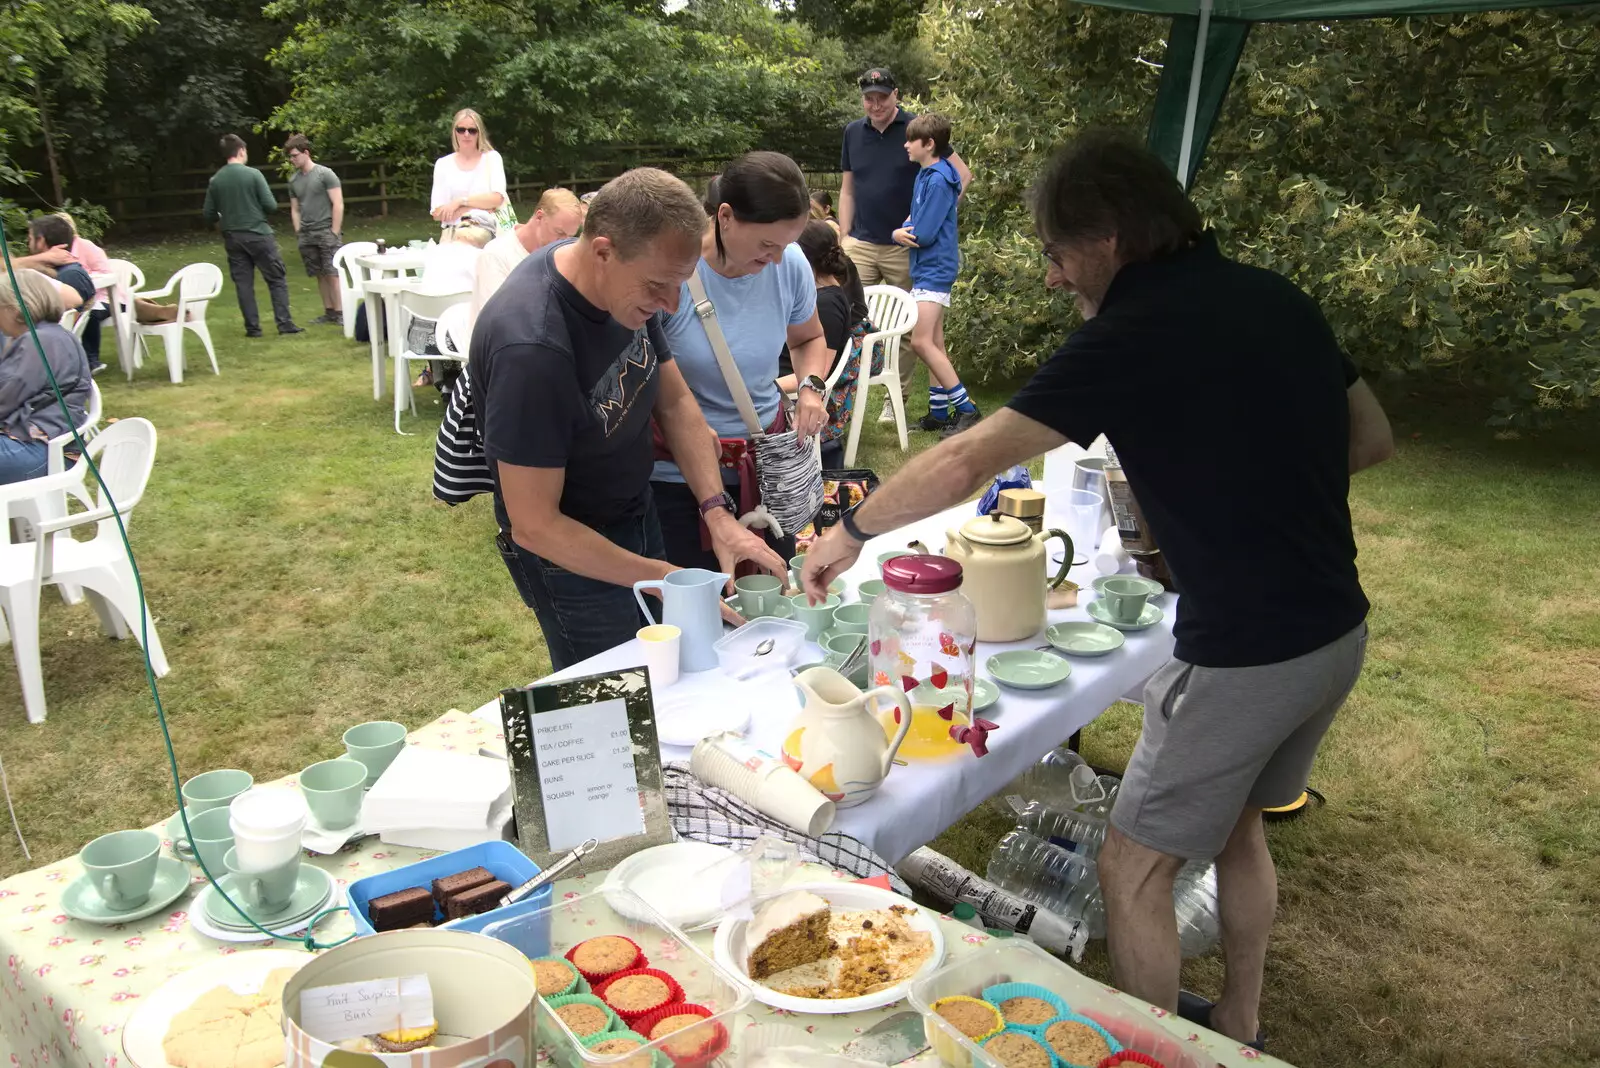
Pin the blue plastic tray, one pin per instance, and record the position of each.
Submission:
(503, 859)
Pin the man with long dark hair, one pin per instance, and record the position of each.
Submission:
(1181, 346)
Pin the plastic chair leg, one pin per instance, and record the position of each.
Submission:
(402, 393)
(898, 403)
(173, 341)
(20, 604)
(111, 624)
(853, 434)
(116, 600)
(204, 333)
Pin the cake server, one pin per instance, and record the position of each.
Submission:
(891, 1040)
(549, 874)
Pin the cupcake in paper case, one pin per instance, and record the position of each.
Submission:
(691, 1040)
(638, 992)
(1026, 1005)
(1017, 1047)
(1129, 1056)
(598, 958)
(617, 1043)
(584, 1014)
(973, 1017)
(556, 977)
(1079, 1042)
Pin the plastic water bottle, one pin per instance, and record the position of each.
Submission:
(1051, 780)
(1075, 832)
(1194, 896)
(1047, 875)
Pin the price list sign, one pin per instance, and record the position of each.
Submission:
(586, 774)
(585, 764)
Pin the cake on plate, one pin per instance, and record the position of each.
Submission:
(786, 932)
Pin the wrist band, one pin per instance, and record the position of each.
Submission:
(848, 521)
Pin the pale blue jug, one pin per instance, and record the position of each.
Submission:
(691, 600)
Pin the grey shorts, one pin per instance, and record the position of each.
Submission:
(316, 252)
(1217, 740)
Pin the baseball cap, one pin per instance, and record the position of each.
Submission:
(877, 80)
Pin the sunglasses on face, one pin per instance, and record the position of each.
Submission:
(466, 129)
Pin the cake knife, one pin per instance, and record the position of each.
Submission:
(549, 874)
(890, 1041)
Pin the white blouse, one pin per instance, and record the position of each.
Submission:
(450, 182)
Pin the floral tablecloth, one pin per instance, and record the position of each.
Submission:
(69, 986)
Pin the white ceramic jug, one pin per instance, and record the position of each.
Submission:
(836, 744)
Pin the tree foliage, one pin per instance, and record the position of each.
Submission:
(556, 78)
(1428, 180)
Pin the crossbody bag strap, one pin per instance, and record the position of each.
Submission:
(719, 346)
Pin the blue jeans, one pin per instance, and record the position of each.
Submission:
(582, 617)
(22, 460)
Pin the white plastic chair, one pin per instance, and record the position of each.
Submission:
(450, 312)
(76, 320)
(351, 275)
(894, 313)
(125, 453)
(130, 279)
(196, 285)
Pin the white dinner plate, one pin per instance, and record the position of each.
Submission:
(243, 973)
(730, 951)
(682, 881)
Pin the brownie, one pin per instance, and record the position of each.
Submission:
(403, 908)
(478, 899)
(451, 885)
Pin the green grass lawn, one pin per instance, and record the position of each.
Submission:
(1440, 911)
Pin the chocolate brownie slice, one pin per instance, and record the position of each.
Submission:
(451, 885)
(478, 899)
(403, 908)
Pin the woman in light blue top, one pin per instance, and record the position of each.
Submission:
(765, 296)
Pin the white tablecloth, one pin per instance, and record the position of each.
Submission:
(919, 801)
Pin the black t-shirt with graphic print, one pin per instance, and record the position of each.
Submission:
(556, 382)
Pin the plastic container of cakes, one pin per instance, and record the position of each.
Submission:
(620, 987)
(502, 860)
(1095, 1021)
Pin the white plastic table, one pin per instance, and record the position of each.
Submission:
(379, 274)
(917, 802)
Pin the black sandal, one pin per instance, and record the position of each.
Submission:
(1197, 1010)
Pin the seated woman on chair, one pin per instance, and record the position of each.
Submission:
(842, 307)
(29, 414)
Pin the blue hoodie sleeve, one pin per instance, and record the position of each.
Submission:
(929, 211)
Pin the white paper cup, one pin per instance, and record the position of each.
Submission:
(261, 853)
(661, 644)
(266, 826)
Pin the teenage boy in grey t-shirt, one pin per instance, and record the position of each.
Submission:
(316, 204)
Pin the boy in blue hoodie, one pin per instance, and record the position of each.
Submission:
(930, 233)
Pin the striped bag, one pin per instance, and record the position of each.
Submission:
(460, 470)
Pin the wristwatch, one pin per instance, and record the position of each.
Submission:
(720, 500)
(814, 382)
(847, 519)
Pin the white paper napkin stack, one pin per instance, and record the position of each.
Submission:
(433, 799)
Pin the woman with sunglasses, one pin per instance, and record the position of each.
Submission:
(765, 296)
(470, 183)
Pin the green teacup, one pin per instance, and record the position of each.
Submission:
(263, 892)
(797, 564)
(333, 790)
(884, 558)
(817, 618)
(375, 745)
(758, 595)
(215, 789)
(212, 838)
(868, 591)
(1125, 597)
(122, 867)
(851, 618)
(836, 650)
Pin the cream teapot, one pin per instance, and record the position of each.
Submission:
(1003, 563)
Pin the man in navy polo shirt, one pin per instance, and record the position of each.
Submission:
(875, 192)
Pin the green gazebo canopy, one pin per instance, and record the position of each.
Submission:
(1195, 78)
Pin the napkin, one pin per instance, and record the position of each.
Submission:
(434, 789)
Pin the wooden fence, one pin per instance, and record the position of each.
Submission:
(181, 195)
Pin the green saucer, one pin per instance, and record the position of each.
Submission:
(1028, 669)
(1084, 639)
(82, 901)
(984, 695)
(1152, 587)
(312, 890)
(1148, 618)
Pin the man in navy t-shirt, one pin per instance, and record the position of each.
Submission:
(568, 366)
(1184, 358)
(875, 192)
